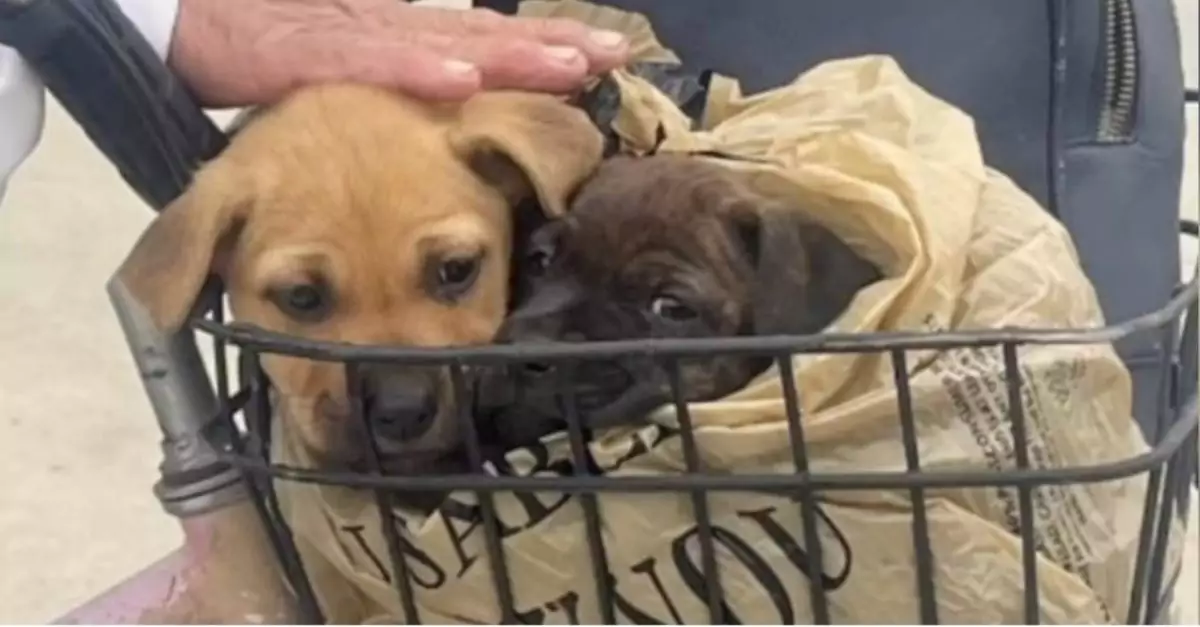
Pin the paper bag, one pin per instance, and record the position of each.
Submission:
(898, 174)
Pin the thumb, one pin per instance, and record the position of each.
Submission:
(604, 49)
(402, 66)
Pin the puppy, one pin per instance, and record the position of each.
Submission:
(662, 247)
(351, 214)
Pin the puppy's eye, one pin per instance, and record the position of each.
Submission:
(305, 302)
(671, 308)
(457, 271)
(305, 298)
(455, 276)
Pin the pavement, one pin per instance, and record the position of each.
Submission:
(78, 445)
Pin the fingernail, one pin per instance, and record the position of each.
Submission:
(607, 38)
(564, 54)
(454, 66)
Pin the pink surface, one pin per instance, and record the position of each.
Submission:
(155, 586)
(126, 602)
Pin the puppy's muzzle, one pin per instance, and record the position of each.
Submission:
(401, 405)
(542, 320)
(531, 399)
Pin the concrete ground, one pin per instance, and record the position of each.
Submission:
(78, 446)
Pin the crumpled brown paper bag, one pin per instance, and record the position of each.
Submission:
(899, 175)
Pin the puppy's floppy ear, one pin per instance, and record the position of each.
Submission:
(805, 276)
(170, 262)
(528, 145)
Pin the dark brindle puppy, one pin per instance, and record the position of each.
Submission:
(662, 247)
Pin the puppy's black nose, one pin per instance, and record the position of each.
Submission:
(531, 329)
(400, 406)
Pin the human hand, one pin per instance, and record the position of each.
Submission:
(244, 52)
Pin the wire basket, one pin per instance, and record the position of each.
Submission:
(155, 158)
(1169, 465)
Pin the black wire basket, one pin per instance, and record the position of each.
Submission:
(1169, 465)
(155, 151)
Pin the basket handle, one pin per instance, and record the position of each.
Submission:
(108, 77)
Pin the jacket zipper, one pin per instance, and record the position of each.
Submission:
(1121, 72)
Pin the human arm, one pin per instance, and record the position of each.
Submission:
(245, 52)
(248, 52)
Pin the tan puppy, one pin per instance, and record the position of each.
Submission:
(350, 214)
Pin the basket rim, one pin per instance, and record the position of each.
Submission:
(253, 338)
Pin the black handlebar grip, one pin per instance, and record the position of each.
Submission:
(108, 77)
